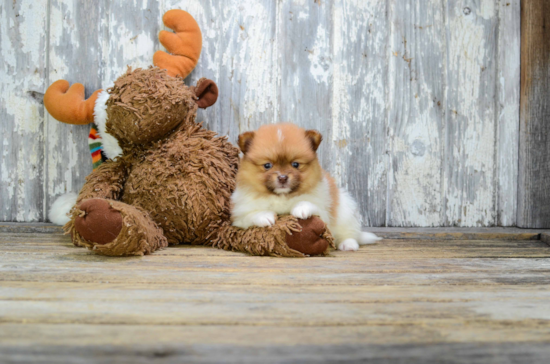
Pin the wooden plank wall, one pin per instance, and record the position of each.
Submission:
(534, 157)
(418, 100)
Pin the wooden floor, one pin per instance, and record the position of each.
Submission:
(401, 301)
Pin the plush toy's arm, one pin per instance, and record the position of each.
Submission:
(105, 182)
(289, 237)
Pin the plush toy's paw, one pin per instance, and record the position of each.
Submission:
(304, 210)
(264, 219)
(98, 222)
(311, 239)
(349, 245)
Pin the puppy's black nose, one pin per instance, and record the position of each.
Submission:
(283, 178)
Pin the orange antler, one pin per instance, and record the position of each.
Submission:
(185, 45)
(70, 106)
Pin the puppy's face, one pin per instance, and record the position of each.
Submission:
(280, 159)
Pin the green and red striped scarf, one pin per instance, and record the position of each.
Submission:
(96, 147)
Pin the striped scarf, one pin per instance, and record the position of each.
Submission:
(96, 147)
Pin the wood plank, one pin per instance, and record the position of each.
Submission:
(508, 92)
(469, 176)
(64, 336)
(233, 308)
(534, 147)
(355, 141)
(444, 233)
(404, 300)
(30, 227)
(240, 54)
(76, 36)
(385, 232)
(23, 54)
(178, 352)
(129, 36)
(305, 46)
(417, 113)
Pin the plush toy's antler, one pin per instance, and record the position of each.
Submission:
(70, 106)
(185, 45)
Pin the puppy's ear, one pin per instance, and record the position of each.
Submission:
(245, 141)
(315, 138)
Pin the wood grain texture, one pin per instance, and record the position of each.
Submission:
(417, 100)
(469, 177)
(128, 36)
(534, 153)
(240, 54)
(23, 46)
(305, 44)
(75, 53)
(508, 79)
(399, 301)
(357, 150)
(417, 113)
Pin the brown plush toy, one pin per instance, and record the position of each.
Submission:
(171, 180)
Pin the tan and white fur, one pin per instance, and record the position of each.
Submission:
(280, 174)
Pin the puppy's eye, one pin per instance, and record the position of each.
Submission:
(268, 166)
(295, 164)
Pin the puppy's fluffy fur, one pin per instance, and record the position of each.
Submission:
(280, 174)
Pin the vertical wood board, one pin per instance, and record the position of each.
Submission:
(534, 153)
(356, 152)
(470, 130)
(23, 45)
(75, 54)
(416, 112)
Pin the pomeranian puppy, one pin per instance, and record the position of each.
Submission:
(280, 174)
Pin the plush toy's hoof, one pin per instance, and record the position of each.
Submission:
(99, 222)
(311, 239)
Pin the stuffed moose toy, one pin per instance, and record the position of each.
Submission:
(167, 180)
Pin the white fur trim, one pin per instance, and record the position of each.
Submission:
(111, 148)
(61, 207)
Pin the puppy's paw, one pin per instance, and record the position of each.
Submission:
(264, 219)
(349, 245)
(304, 210)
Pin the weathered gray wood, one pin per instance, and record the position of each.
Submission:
(444, 233)
(365, 73)
(469, 177)
(534, 151)
(240, 54)
(507, 80)
(129, 36)
(23, 45)
(417, 113)
(76, 33)
(356, 150)
(305, 45)
(179, 351)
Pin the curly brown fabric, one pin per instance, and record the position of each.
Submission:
(139, 234)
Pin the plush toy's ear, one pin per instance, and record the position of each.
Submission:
(207, 92)
(245, 141)
(315, 138)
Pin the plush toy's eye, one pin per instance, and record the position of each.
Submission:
(295, 164)
(268, 166)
